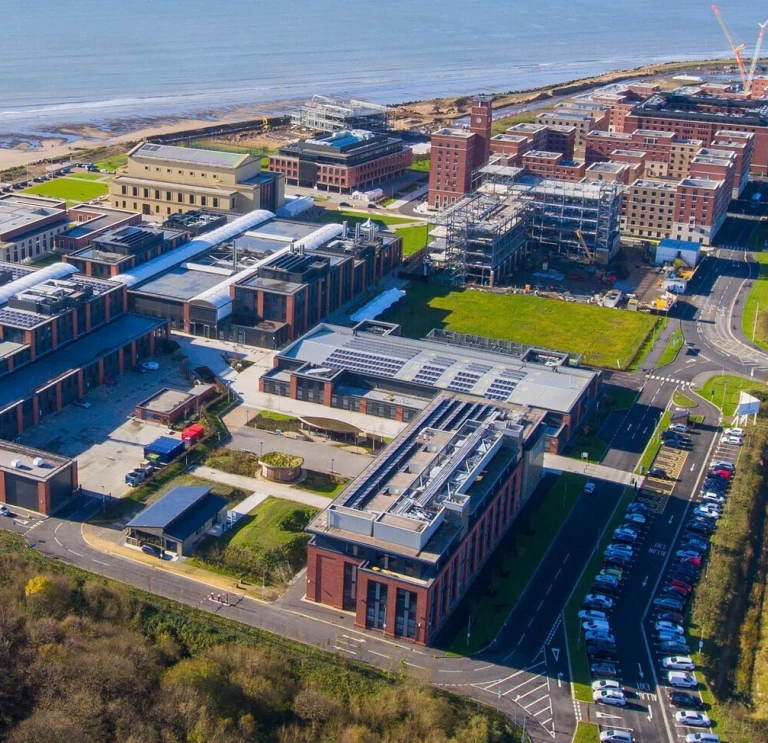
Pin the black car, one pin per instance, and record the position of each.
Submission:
(657, 472)
(606, 670)
(686, 568)
(600, 654)
(151, 549)
(609, 589)
(684, 700)
(616, 561)
(637, 507)
(669, 616)
(674, 646)
(700, 526)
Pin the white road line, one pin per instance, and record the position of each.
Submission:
(541, 603)
(565, 559)
(482, 668)
(532, 691)
(531, 621)
(559, 570)
(532, 704)
(413, 665)
(75, 553)
(100, 562)
(446, 670)
(351, 652)
(381, 655)
(55, 532)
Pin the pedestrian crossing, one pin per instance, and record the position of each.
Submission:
(681, 382)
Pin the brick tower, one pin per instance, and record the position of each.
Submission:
(480, 125)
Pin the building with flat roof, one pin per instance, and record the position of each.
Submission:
(179, 520)
(29, 225)
(582, 120)
(34, 479)
(371, 369)
(345, 161)
(124, 248)
(321, 114)
(170, 405)
(457, 153)
(404, 541)
(90, 222)
(161, 180)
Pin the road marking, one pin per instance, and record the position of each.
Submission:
(533, 704)
(55, 532)
(535, 688)
(541, 603)
(645, 582)
(373, 652)
(565, 559)
(549, 588)
(75, 553)
(606, 716)
(556, 653)
(650, 712)
(446, 670)
(640, 671)
(351, 652)
(100, 562)
(559, 570)
(482, 668)
(531, 622)
(413, 665)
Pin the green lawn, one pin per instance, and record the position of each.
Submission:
(271, 524)
(336, 216)
(757, 302)
(85, 176)
(673, 348)
(603, 336)
(647, 345)
(683, 401)
(723, 391)
(111, 163)
(654, 444)
(420, 166)
(73, 190)
(593, 445)
(576, 650)
(414, 238)
(46, 260)
(586, 732)
(504, 578)
(322, 483)
(617, 398)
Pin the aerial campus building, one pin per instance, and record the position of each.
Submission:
(29, 226)
(321, 114)
(404, 541)
(371, 369)
(345, 161)
(161, 180)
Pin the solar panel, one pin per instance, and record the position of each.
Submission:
(479, 368)
(383, 349)
(19, 319)
(512, 373)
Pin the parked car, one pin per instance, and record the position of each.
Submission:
(708, 510)
(732, 440)
(723, 474)
(599, 636)
(606, 684)
(687, 587)
(589, 488)
(593, 615)
(617, 573)
(679, 428)
(598, 598)
(80, 403)
(693, 719)
(596, 625)
(616, 736)
(151, 549)
(606, 670)
(609, 696)
(665, 602)
(669, 616)
(674, 646)
(682, 679)
(4, 511)
(735, 431)
(722, 464)
(657, 472)
(702, 738)
(617, 560)
(671, 626)
(635, 519)
(713, 497)
(151, 366)
(637, 507)
(678, 663)
(684, 699)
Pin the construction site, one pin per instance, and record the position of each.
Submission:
(322, 114)
(485, 236)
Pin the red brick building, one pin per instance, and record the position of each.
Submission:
(406, 539)
(552, 165)
(91, 222)
(456, 153)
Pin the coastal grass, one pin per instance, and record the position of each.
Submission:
(577, 653)
(754, 318)
(605, 337)
(414, 238)
(72, 190)
(111, 163)
(512, 565)
(669, 354)
(723, 391)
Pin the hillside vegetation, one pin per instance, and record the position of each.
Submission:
(84, 660)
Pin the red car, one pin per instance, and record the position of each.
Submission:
(683, 589)
(680, 584)
(696, 561)
(722, 474)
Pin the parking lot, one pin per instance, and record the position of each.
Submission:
(103, 438)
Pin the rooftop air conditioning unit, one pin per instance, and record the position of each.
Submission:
(39, 462)
(16, 464)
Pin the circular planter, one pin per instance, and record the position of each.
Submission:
(281, 467)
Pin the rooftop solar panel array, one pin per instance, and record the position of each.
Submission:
(383, 349)
(18, 319)
(367, 363)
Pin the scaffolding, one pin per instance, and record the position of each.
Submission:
(479, 239)
(323, 114)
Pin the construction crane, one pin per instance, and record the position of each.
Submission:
(737, 48)
(590, 256)
(755, 56)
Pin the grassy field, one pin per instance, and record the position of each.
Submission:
(232, 461)
(322, 483)
(603, 335)
(683, 401)
(757, 302)
(576, 649)
(586, 732)
(271, 524)
(352, 218)
(723, 391)
(617, 398)
(593, 445)
(83, 175)
(73, 190)
(414, 238)
(111, 163)
(673, 348)
(504, 578)
(420, 166)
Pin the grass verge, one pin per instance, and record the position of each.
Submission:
(414, 238)
(582, 689)
(593, 445)
(757, 300)
(352, 218)
(613, 336)
(617, 398)
(111, 163)
(669, 354)
(683, 401)
(512, 565)
(586, 732)
(723, 391)
(654, 444)
(647, 345)
(234, 462)
(322, 483)
(70, 189)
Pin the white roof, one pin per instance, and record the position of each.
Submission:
(54, 271)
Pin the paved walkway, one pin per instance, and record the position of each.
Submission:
(260, 489)
(558, 463)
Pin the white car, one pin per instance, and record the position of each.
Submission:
(598, 598)
(616, 736)
(635, 518)
(609, 696)
(592, 615)
(678, 428)
(596, 625)
(733, 432)
(682, 680)
(4, 511)
(713, 498)
(694, 719)
(623, 549)
(664, 626)
(710, 510)
(702, 738)
(732, 440)
(678, 663)
(722, 464)
(600, 637)
(151, 365)
(606, 684)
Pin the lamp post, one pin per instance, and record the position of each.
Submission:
(331, 466)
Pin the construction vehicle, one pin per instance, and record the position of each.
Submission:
(588, 256)
(264, 124)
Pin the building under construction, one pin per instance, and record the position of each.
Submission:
(323, 114)
(481, 238)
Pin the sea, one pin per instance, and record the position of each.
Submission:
(101, 61)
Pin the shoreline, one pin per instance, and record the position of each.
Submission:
(66, 138)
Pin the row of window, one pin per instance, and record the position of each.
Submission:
(214, 176)
(191, 198)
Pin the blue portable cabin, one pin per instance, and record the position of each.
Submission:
(164, 449)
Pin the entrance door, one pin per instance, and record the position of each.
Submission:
(376, 611)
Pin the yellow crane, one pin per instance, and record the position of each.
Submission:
(590, 256)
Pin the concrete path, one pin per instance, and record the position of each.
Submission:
(260, 489)
(558, 463)
(417, 194)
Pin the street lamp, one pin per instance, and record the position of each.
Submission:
(331, 466)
